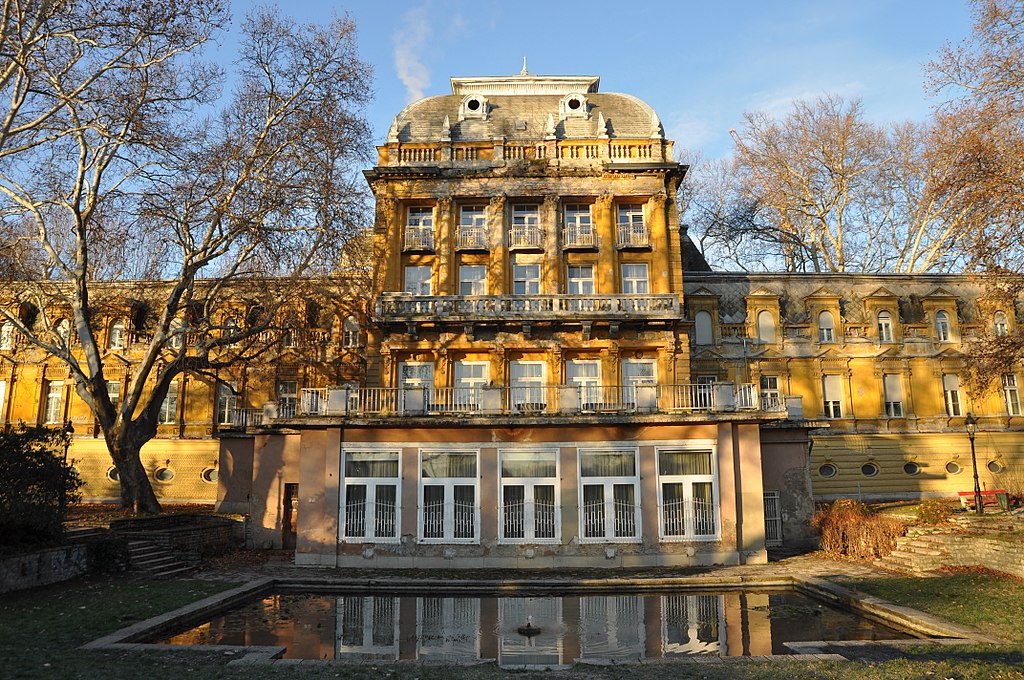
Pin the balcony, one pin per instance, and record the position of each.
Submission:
(579, 238)
(632, 236)
(529, 400)
(401, 308)
(471, 238)
(526, 237)
(418, 239)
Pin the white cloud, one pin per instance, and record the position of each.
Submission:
(409, 41)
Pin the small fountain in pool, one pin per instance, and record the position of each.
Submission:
(529, 630)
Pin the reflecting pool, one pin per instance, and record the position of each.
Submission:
(621, 627)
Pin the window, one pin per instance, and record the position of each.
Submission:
(472, 279)
(704, 396)
(448, 507)
(114, 392)
(893, 391)
(230, 329)
(227, 403)
(526, 278)
(634, 279)
(117, 334)
(609, 490)
(637, 372)
(529, 501)
(884, 327)
(942, 326)
(416, 378)
(579, 230)
(371, 497)
(703, 334)
(631, 228)
(1012, 394)
(54, 399)
(6, 335)
(175, 334)
(771, 397)
(528, 385)
(832, 389)
(472, 227)
(526, 229)
(999, 324)
(287, 398)
(687, 494)
(419, 228)
(581, 280)
(64, 331)
(765, 326)
(420, 216)
(417, 280)
(368, 626)
(951, 392)
(586, 375)
(826, 327)
(470, 378)
(350, 335)
(169, 406)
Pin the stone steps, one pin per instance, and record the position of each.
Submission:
(155, 560)
(921, 552)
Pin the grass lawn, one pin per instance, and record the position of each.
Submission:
(40, 632)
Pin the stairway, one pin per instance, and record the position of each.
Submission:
(921, 552)
(149, 559)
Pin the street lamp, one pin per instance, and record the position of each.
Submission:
(971, 424)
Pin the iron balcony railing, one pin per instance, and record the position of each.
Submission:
(526, 236)
(633, 236)
(525, 399)
(418, 238)
(469, 237)
(579, 237)
(399, 307)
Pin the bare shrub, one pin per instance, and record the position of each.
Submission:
(849, 529)
(933, 511)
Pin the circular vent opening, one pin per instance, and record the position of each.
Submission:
(164, 474)
(828, 470)
(953, 467)
(869, 470)
(996, 466)
(574, 104)
(911, 468)
(473, 105)
(210, 475)
(112, 474)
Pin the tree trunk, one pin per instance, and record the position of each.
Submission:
(136, 491)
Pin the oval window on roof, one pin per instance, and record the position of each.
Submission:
(473, 104)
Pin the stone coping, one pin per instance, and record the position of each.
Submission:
(934, 631)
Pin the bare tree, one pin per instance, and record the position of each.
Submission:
(119, 163)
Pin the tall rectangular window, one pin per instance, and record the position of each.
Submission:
(227, 403)
(586, 375)
(420, 216)
(472, 279)
(54, 400)
(529, 501)
(579, 229)
(114, 392)
(609, 493)
(526, 278)
(634, 279)
(892, 387)
(287, 398)
(448, 497)
(528, 390)
(942, 326)
(951, 393)
(771, 396)
(6, 335)
(472, 216)
(472, 231)
(581, 280)
(687, 494)
(1012, 394)
(630, 226)
(169, 406)
(470, 378)
(417, 280)
(525, 229)
(832, 390)
(371, 497)
(884, 327)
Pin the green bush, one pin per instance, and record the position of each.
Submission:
(36, 484)
(850, 529)
(933, 511)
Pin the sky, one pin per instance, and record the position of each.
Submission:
(700, 64)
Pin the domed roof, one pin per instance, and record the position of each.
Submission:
(525, 107)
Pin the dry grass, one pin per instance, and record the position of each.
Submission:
(850, 529)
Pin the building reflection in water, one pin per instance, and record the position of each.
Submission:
(622, 628)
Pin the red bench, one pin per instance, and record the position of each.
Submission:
(987, 498)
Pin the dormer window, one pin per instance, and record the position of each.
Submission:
(1000, 326)
(826, 328)
(473, 106)
(942, 328)
(573, 106)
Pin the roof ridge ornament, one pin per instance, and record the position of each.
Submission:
(524, 72)
(657, 131)
(446, 130)
(602, 127)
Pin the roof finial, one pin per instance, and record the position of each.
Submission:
(524, 72)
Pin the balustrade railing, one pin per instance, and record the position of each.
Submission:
(633, 236)
(579, 237)
(471, 238)
(418, 238)
(402, 307)
(526, 236)
(245, 417)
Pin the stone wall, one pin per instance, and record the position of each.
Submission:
(62, 563)
(193, 537)
(1004, 553)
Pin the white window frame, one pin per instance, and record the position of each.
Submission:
(287, 398)
(419, 216)
(527, 389)
(63, 330)
(832, 396)
(114, 392)
(453, 635)
(826, 327)
(633, 281)
(585, 374)
(372, 484)
(469, 378)
(472, 215)
(892, 391)
(1011, 394)
(350, 332)
(6, 335)
(885, 327)
(530, 485)
(943, 329)
(608, 485)
(704, 395)
(472, 279)
(1000, 326)
(227, 401)
(415, 283)
(116, 334)
(578, 225)
(951, 395)
(368, 625)
(52, 407)
(630, 216)
(766, 331)
(169, 406)
(687, 482)
(525, 278)
(175, 334)
(771, 395)
(526, 215)
(448, 486)
(580, 279)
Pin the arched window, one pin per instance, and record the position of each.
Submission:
(942, 326)
(350, 332)
(884, 327)
(703, 334)
(64, 331)
(999, 324)
(116, 334)
(765, 326)
(826, 327)
(176, 333)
